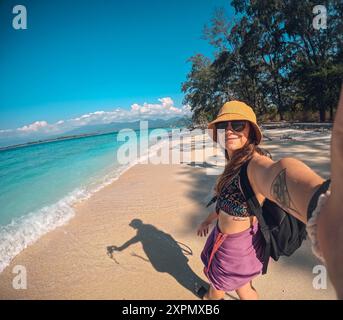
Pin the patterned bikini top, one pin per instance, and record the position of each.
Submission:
(231, 199)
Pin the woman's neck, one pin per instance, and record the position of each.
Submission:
(232, 152)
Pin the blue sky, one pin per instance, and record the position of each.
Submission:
(77, 58)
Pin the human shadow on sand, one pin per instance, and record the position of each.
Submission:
(164, 253)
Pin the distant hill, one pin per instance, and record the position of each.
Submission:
(175, 122)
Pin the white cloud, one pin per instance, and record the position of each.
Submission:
(165, 109)
(33, 127)
(167, 102)
(135, 107)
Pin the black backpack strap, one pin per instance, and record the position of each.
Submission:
(255, 207)
(214, 199)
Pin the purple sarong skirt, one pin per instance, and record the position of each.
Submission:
(236, 260)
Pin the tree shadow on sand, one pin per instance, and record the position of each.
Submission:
(164, 253)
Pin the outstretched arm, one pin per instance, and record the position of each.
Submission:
(330, 220)
(288, 182)
(126, 244)
(291, 184)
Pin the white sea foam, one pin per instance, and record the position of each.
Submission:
(24, 231)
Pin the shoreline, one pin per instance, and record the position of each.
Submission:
(32, 226)
(72, 262)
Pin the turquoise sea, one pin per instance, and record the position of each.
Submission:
(40, 183)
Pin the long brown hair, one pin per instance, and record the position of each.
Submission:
(239, 157)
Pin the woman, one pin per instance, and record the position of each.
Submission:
(233, 252)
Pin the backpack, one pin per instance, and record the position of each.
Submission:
(283, 233)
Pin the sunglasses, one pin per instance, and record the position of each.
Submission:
(236, 125)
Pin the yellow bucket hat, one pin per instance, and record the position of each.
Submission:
(235, 110)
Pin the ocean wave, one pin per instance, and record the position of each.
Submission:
(24, 231)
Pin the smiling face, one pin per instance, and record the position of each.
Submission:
(234, 140)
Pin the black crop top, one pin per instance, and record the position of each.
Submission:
(231, 199)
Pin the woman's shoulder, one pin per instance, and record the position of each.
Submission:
(256, 164)
(259, 161)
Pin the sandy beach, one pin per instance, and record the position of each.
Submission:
(151, 213)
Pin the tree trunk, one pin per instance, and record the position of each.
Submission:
(322, 117)
(331, 112)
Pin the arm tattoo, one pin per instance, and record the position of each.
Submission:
(279, 192)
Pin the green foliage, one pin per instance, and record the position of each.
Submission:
(272, 58)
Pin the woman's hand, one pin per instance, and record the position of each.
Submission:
(203, 229)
